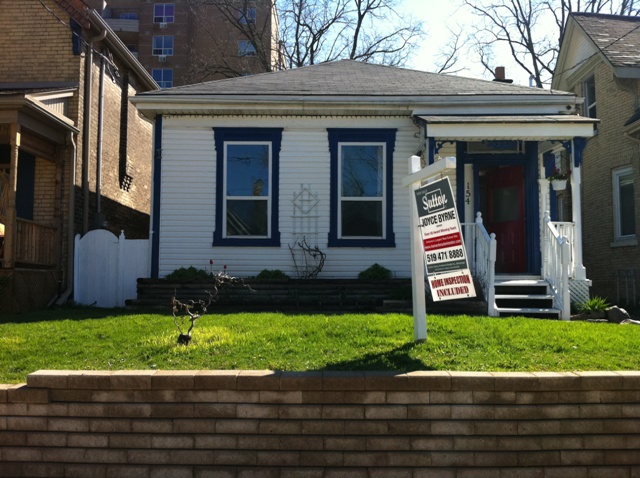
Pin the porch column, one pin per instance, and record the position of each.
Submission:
(8, 259)
(577, 146)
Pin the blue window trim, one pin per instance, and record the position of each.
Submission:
(272, 135)
(346, 135)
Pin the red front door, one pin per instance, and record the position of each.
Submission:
(504, 215)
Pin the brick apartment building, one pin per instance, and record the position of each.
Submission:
(599, 61)
(188, 41)
(74, 153)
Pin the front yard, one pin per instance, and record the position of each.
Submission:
(99, 339)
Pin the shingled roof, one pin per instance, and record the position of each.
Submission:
(352, 78)
(616, 36)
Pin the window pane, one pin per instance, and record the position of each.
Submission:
(590, 97)
(362, 171)
(627, 206)
(247, 170)
(163, 76)
(246, 48)
(162, 45)
(247, 217)
(361, 218)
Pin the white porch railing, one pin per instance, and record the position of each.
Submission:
(481, 255)
(556, 261)
(566, 229)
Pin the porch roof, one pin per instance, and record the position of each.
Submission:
(21, 106)
(503, 127)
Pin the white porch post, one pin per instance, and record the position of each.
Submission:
(544, 208)
(576, 211)
(417, 264)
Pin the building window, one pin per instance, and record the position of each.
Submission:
(163, 13)
(162, 45)
(133, 49)
(248, 16)
(247, 186)
(246, 48)
(361, 187)
(129, 16)
(590, 97)
(624, 212)
(163, 76)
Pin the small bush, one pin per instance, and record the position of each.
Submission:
(188, 273)
(594, 304)
(267, 274)
(376, 271)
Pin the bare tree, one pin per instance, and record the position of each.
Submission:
(522, 26)
(449, 56)
(305, 32)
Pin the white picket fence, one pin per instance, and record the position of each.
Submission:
(107, 268)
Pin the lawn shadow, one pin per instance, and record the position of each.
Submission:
(52, 314)
(395, 360)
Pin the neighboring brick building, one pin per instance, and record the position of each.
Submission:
(599, 61)
(187, 41)
(72, 159)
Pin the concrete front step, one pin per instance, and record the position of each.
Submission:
(524, 295)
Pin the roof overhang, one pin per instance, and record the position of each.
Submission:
(161, 103)
(526, 128)
(33, 115)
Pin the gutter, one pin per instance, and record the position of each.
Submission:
(62, 298)
(151, 104)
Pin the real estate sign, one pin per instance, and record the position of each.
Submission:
(445, 256)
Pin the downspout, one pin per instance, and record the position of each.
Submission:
(62, 298)
(86, 129)
(98, 220)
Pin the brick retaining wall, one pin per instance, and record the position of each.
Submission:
(153, 424)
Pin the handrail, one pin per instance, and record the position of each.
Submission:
(557, 259)
(481, 254)
(567, 229)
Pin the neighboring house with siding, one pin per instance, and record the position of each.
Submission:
(247, 168)
(74, 153)
(599, 60)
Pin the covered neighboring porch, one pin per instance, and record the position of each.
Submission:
(525, 261)
(33, 138)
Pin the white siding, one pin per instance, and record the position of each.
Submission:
(188, 196)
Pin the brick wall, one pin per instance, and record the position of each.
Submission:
(46, 205)
(39, 46)
(321, 424)
(604, 152)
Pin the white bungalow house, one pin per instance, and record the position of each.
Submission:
(247, 169)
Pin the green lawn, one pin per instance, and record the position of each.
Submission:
(95, 339)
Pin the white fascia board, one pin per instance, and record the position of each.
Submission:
(561, 99)
(511, 131)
